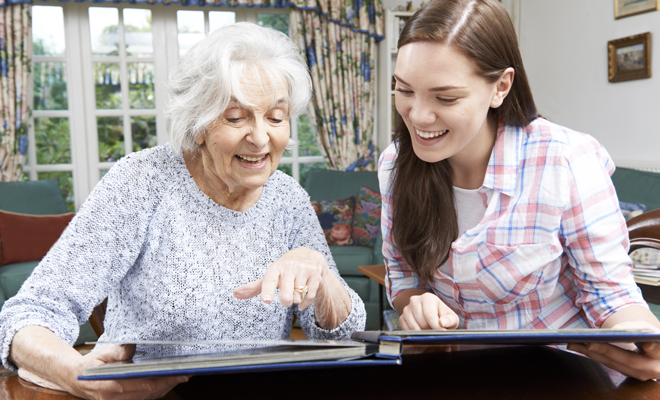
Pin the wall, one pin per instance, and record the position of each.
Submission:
(564, 47)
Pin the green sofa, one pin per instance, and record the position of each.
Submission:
(323, 184)
(633, 186)
(36, 198)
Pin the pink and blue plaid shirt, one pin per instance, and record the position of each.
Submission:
(552, 249)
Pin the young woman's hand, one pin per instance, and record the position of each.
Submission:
(427, 311)
(642, 364)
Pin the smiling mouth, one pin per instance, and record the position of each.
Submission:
(251, 160)
(430, 135)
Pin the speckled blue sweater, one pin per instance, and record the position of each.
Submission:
(168, 258)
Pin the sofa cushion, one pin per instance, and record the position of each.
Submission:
(25, 237)
(12, 277)
(336, 218)
(360, 285)
(635, 186)
(327, 184)
(32, 197)
(366, 219)
(349, 258)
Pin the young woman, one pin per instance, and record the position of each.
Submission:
(494, 218)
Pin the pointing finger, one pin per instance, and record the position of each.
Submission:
(249, 290)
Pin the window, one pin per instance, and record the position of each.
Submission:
(49, 152)
(99, 76)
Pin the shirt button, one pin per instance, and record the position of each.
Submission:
(453, 246)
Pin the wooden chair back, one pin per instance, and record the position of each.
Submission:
(644, 230)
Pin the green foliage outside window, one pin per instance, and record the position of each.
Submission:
(286, 168)
(50, 86)
(141, 96)
(279, 22)
(143, 132)
(107, 86)
(307, 144)
(111, 138)
(53, 142)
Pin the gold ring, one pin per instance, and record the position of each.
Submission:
(302, 290)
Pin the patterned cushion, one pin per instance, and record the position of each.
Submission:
(366, 221)
(646, 256)
(336, 218)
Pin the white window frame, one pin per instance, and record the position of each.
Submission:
(82, 112)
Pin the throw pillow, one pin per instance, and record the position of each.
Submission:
(25, 237)
(336, 218)
(366, 221)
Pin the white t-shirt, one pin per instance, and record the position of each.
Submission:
(470, 208)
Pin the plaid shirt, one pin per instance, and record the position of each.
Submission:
(551, 250)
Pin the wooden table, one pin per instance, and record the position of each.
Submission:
(377, 273)
(466, 372)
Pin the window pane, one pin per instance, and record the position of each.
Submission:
(108, 86)
(278, 22)
(141, 85)
(190, 26)
(50, 86)
(286, 168)
(137, 28)
(143, 130)
(52, 140)
(307, 144)
(304, 170)
(65, 179)
(218, 19)
(111, 138)
(48, 31)
(104, 31)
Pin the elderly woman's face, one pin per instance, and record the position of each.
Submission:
(246, 143)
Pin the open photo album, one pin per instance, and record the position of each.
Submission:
(246, 356)
(367, 348)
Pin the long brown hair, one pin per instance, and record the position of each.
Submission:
(424, 222)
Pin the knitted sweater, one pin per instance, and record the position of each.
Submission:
(168, 259)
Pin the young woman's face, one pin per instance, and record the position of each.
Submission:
(443, 102)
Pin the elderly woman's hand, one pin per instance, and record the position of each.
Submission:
(57, 366)
(294, 273)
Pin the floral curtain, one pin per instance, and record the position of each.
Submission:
(339, 40)
(15, 74)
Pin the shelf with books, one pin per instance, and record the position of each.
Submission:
(387, 53)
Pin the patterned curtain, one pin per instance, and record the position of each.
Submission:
(339, 40)
(15, 45)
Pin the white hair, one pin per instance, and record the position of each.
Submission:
(210, 75)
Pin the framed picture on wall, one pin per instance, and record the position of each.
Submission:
(626, 8)
(629, 58)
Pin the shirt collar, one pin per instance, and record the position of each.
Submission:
(502, 171)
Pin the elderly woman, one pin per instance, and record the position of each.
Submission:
(183, 238)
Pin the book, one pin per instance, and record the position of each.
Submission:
(251, 357)
(650, 282)
(510, 337)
